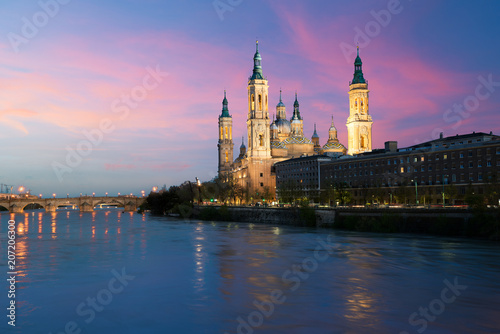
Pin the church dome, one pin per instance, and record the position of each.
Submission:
(333, 146)
(284, 126)
(273, 126)
(297, 140)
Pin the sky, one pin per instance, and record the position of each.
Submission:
(120, 96)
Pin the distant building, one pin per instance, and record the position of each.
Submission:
(300, 177)
(452, 165)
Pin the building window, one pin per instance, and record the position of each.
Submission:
(471, 164)
(488, 163)
(453, 178)
(261, 174)
(470, 154)
(422, 158)
(480, 176)
(430, 168)
(461, 154)
(445, 156)
(402, 169)
(227, 157)
(422, 169)
(388, 162)
(262, 184)
(462, 165)
(479, 163)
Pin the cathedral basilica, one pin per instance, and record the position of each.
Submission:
(271, 141)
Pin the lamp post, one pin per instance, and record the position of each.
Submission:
(416, 191)
(443, 192)
(198, 183)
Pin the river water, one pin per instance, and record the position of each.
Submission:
(115, 272)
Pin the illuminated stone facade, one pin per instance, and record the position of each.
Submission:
(359, 123)
(270, 142)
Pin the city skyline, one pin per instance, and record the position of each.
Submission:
(67, 73)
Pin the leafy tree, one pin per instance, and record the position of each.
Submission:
(343, 194)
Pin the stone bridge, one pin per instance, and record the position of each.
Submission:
(84, 203)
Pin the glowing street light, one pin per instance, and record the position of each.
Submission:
(54, 195)
(106, 194)
(21, 189)
(416, 190)
(40, 195)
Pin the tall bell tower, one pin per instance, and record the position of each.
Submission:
(259, 143)
(225, 144)
(359, 123)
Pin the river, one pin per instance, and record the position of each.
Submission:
(115, 272)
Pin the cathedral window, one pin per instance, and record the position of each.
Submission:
(253, 101)
(221, 133)
(260, 102)
(266, 103)
(227, 157)
(261, 140)
(226, 133)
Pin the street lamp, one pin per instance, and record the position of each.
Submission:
(416, 191)
(21, 189)
(198, 183)
(443, 190)
(54, 195)
(106, 194)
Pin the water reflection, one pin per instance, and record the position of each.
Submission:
(192, 274)
(199, 257)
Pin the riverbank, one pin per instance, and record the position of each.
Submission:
(445, 222)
